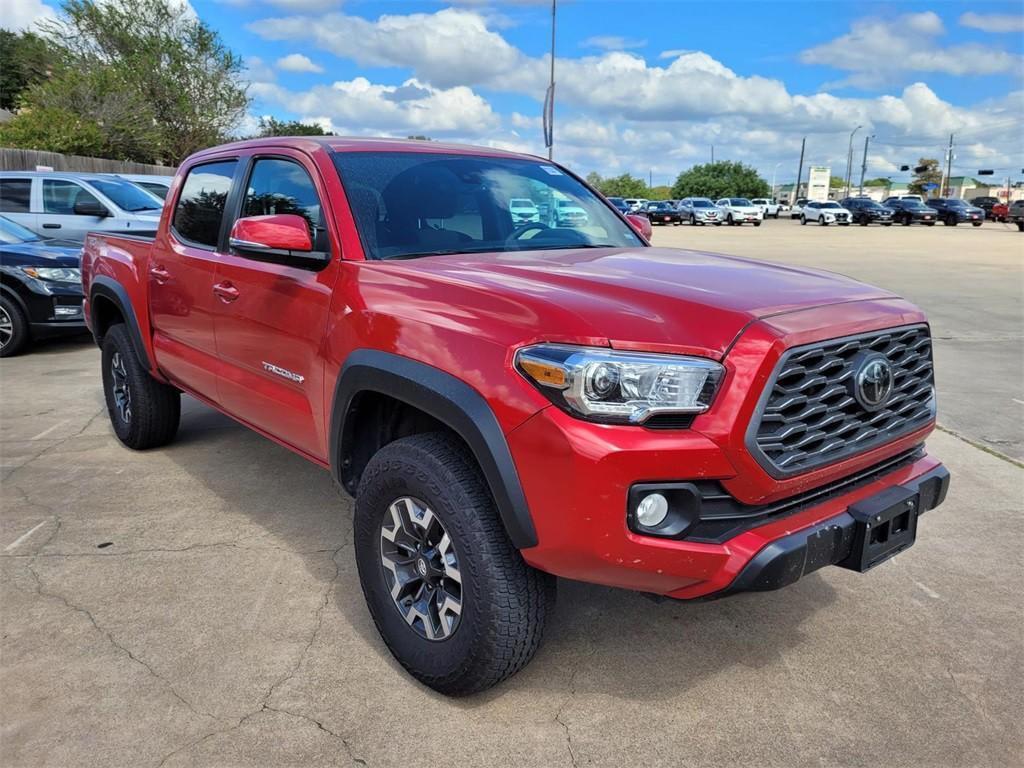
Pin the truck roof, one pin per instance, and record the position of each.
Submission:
(362, 144)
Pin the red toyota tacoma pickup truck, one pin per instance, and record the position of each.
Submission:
(511, 403)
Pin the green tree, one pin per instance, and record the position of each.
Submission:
(25, 59)
(122, 64)
(270, 126)
(619, 186)
(879, 182)
(930, 173)
(721, 179)
(836, 182)
(663, 192)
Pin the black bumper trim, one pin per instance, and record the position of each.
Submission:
(788, 559)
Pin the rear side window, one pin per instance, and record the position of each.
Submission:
(15, 195)
(200, 209)
(60, 196)
(281, 186)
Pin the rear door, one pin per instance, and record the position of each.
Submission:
(182, 272)
(269, 335)
(16, 201)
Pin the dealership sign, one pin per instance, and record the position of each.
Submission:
(818, 181)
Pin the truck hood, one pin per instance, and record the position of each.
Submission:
(645, 298)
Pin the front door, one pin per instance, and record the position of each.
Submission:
(272, 318)
(182, 274)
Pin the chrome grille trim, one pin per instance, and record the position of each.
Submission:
(807, 417)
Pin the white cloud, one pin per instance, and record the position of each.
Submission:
(993, 22)
(875, 48)
(296, 62)
(359, 106)
(20, 15)
(446, 48)
(613, 42)
(675, 53)
(258, 71)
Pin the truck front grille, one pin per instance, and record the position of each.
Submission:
(812, 414)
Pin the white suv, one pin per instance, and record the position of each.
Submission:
(769, 208)
(739, 210)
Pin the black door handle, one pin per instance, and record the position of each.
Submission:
(51, 226)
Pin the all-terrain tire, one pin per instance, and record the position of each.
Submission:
(153, 408)
(504, 602)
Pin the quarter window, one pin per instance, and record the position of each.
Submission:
(200, 209)
(60, 196)
(15, 195)
(282, 186)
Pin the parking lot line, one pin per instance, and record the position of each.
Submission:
(45, 432)
(23, 538)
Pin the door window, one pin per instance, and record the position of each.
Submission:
(282, 186)
(60, 196)
(15, 195)
(200, 209)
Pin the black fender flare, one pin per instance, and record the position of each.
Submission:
(113, 291)
(12, 295)
(452, 402)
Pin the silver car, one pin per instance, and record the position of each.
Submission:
(700, 210)
(68, 205)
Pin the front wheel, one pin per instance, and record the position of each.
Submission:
(757, 223)
(144, 412)
(729, 221)
(452, 598)
(693, 220)
(975, 223)
(14, 333)
(822, 222)
(803, 220)
(905, 221)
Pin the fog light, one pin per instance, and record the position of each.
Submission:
(652, 510)
(67, 311)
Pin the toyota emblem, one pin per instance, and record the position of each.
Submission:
(873, 382)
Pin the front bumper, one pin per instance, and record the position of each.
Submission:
(830, 542)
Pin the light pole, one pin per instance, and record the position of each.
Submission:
(864, 164)
(549, 97)
(775, 171)
(849, 159)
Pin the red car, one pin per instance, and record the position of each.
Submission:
(510, 403)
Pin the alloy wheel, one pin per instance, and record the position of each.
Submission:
(421, 569)
(6, 328)
(121, 391)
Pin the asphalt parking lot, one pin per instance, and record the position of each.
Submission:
(199, 605)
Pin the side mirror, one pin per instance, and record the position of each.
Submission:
(90, 207)
(641, 224)
(281, 237)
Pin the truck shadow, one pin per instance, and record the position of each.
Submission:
(600, 640)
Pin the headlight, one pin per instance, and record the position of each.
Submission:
(620, 387)
(55, 274)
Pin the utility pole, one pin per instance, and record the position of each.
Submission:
(799, 173)
(949, 167)
(849, 159)
(712, 154)
(650, 178)
(864, 166)
(549, 99)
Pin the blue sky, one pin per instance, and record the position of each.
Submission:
(648, 86)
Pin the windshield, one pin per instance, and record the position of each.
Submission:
(12, 233)
(956, 203)
(702, 204)
(411, 204)
(659, 207)
(739, 201)
(830, 205)
(127, 196)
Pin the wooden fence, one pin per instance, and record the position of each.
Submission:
(28, 159)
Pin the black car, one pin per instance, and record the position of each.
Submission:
(864, 211)
(40, 288)
(986, 204)
(619, 205)
(663, 212)
(906, 212)
(953, 210)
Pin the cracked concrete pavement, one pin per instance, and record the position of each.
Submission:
(199, 604)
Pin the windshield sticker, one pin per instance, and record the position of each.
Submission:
(552, 170)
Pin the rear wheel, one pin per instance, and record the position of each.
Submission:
(144, 412)
(14, 333)
(453, 599)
